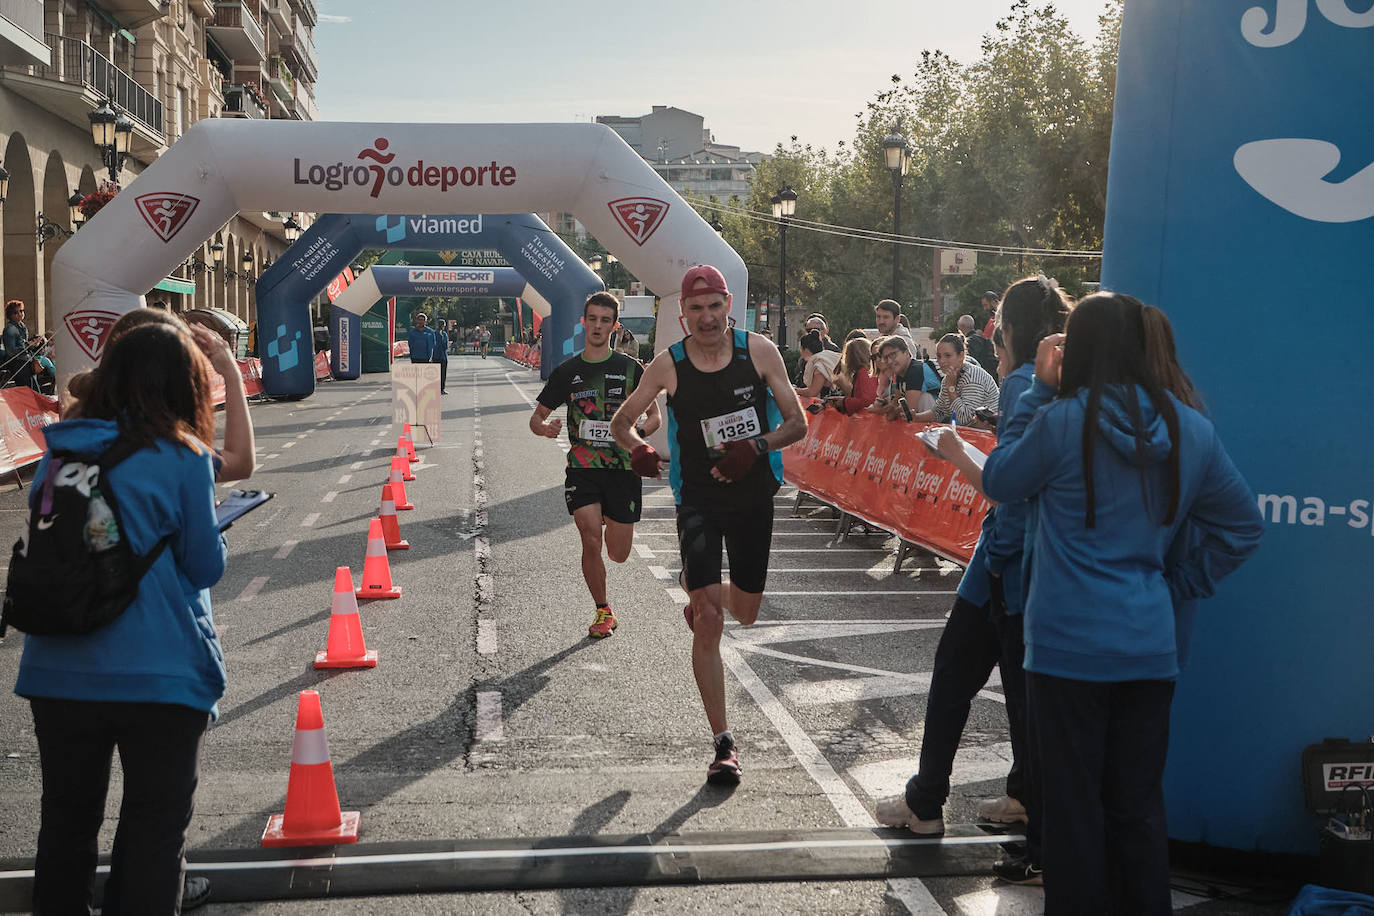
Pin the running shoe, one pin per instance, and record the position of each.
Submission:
(604, 623)
(724, 770)
(1019, 871)
(893, 811)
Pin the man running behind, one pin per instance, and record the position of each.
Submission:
(729, 404)
(599, 487)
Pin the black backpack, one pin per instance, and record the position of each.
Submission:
(78, 572)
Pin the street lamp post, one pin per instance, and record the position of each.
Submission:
(784, 206)
(897, 155)
(111, 132)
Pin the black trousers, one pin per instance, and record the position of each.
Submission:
(443, 375)
(975, 640)
(159, 749)
(1102, 750)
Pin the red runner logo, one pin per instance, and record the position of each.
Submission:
(639, 216)
(166, 213)
(89, 329)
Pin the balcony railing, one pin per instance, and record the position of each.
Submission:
(27, 14)
(237, 15)
(281, 78)
(301, 45)
(240, 102)
(78, 64)
(307, 11)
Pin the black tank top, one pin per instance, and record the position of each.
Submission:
(728, 404)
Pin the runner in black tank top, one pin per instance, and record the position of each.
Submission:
(725, 430)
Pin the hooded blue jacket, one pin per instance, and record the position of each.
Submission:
(163, 649)
(1100, 602)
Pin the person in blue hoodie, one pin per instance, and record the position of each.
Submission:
(422, 340)
(1115, 467)
(148, 682)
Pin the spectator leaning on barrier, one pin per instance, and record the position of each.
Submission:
(816, 322)
(148, 682)
(820, 366)
(1117, 468)
(978, 346)
(19, 358)
(965, 388)
(856, 376)
(911, 383)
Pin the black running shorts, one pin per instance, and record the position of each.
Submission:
(620, 493)
(747, 533)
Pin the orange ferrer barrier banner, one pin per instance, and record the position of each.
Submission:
(878, 470)
(23, 414)
(524, 354)
(400, 348)
(251, 370)
(322, 370)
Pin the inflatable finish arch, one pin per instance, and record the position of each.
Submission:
(319, 255)
(1241, 189)
(220, 167)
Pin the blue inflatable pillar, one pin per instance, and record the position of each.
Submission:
(1241, 201)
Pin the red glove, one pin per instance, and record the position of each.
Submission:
(740, 456)
(644, 460)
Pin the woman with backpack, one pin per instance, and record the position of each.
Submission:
(147, 682)
(1115, 467)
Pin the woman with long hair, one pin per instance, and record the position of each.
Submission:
(855, 376)
(984, 627)
(965, 386)
(1116, 466)
(147, 682)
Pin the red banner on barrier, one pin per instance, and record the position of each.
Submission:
(322, 370)
(878, 470)
(400, 348)
(23, 414)
(251, 370)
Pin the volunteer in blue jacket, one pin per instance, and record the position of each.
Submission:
(146, 683)
(421, 339)
(1114, 466)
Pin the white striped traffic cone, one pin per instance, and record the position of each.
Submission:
(312, 816)
(376, 570)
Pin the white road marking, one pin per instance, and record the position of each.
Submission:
(658, 572)
(489, 726)
(310, 520)
(273, 455)
(486, 637)
(355, 466)
(971, 765)
(284, 550)
(678, 596)
(302, 435)
(645, 552)
(288, 445)
(345, 478)
(905, 591)
(914, 895)
(810, 630)
(252, 588)
(330, 496)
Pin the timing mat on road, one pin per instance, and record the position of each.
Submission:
(241, 875)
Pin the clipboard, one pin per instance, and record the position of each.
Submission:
(238, 503)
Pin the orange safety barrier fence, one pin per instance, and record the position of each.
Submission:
(877, 470)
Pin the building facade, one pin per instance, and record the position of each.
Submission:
(684, 152)
(163, 64)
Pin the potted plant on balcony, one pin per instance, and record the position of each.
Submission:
(92, 203)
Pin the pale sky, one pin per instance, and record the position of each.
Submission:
(758, 71)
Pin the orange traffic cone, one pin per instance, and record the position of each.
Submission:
(398, 488)
(410, 441)
(312, 816)
(399, 461)
(345, 648)
(391, 529)
(376, 570)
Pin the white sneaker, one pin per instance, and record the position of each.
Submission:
(893, 812)
(1004, 810)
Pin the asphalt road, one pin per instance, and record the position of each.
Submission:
(492, 722)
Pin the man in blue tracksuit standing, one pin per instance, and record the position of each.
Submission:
(421, 337)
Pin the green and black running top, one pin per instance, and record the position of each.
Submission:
(592, 392)
(710, 409)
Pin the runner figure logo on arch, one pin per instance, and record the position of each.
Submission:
(89, 329)
(166, 213)
(639, 216)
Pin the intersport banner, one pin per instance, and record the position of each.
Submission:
(1241, 201)
(878, 470)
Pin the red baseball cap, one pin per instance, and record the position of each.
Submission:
(704, 279)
